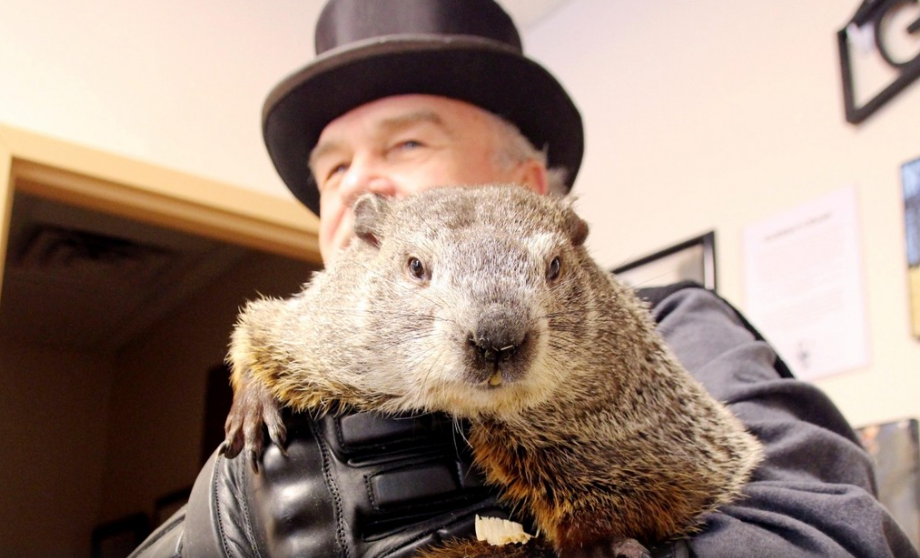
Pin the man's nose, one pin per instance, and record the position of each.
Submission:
(366, 174)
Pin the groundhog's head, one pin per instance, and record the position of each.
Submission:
(475, 293)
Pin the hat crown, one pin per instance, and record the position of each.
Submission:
(468, 50)
(346, 21)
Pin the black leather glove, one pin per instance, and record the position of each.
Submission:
(357, 485)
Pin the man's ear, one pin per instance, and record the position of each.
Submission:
(533, 175)
(370, 210)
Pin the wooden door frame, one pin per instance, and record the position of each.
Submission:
(84, 177)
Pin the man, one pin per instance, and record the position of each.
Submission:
(405, 95)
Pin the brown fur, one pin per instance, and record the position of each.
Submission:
(595, 427)
(475, 549)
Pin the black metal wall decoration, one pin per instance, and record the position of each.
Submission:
(693, 260)
(874, 19)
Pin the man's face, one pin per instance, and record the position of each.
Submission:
(401, 145)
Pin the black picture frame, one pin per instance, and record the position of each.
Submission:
(693, 259)
(119, 538)
(874, 14)
(895, 449)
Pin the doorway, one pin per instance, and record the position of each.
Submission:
(113, 311)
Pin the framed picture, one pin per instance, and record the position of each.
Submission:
(119, 538)
(910, 179)
(895, 449)
(692, 260)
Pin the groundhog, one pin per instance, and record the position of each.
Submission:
(484, 303)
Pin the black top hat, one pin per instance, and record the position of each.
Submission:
(369, 49)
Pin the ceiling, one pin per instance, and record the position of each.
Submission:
(83, 280)
(524, 12)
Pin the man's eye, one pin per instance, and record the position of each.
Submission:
(341, 167)
(409, 144)
(327, 178)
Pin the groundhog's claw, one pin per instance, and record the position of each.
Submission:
(253, 407)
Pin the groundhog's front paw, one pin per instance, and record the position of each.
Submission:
(622, 548)
(253, 406)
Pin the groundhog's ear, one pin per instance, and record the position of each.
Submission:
(369, 212)
(578, 229)
(574, 225)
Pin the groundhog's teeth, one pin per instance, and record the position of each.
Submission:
(499, 532)
(495, 379)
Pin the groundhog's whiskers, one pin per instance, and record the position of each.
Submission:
(421, 317)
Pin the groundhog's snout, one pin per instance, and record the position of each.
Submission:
(499, 347)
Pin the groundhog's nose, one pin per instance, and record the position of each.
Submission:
(493, 352)
(500, 334)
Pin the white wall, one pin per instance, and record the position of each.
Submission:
(175, 83)
(178, 84)
(713, 115)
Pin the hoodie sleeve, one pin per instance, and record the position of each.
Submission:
(814, 494)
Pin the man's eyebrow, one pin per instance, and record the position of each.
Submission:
(411, 118)
(387, 125)
(321, 150)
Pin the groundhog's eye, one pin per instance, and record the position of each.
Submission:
(417, 269)
(554, 270)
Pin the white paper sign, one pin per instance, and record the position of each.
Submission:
(804, 285)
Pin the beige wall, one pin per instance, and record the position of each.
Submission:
(174, 83)
(713, 115)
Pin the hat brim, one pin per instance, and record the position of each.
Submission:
(478, 71)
